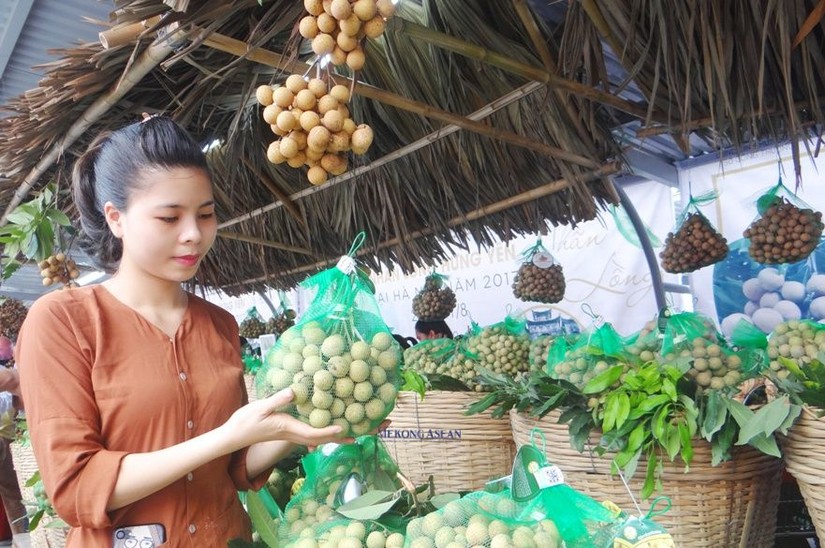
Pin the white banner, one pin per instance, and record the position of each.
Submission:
(602, 269)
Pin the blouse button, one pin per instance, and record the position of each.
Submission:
(189, 476)
(192, 528)
(182, 376)
(190, 425)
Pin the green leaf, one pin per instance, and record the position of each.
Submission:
(623, 409)
(793, 414)
(632, 465)
(649, 404)
(766, 444)
(440, 501)
(658, 422)
(687, 443)
(261, 519)
(765, 421)
(611, 411)
(20, 216)
(57, 216)
(637, 436)
(369, 506)
(674, 442)
(650, 476)
(30, 244)
(715, 415)
(10, 267)
(34, 521)
(45, 241)
(739, 411)
(446, 382)
(721, 444)
(413, 382)
(603, 380)
(670, 389)
(33, 480)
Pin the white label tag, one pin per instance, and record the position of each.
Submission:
(543, 260)
(346, 264)
(549, 476)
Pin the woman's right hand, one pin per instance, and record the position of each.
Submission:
(264, 420)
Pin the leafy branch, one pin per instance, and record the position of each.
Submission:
(31, 231)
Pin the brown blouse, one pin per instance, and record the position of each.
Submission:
(99, 381)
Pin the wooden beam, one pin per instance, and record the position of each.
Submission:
(473, 51)
(275, 190)
(513, 201)
(272, 59)
(265, 243)
(483, 112)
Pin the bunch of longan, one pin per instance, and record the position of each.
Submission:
(59, 269)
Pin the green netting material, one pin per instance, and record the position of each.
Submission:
(593, 352)
(692, 206)
(340, 359)
(778, 191)
(430, 356)
(800, 341)
(334, 475)
(682, 329)
(502, 347)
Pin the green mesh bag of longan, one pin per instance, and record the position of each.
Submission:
(591, 353)
(484, 519)
(502, 347)
(431, 356)
(337, 474)
(340, 360)
(693, 337)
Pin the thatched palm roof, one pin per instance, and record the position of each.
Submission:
(726, 71)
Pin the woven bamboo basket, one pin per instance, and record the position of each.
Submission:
(25, 466)
(731, 505)
(804, 448)
(249, 381)
(433, 437)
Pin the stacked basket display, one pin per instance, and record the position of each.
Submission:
(602, 408)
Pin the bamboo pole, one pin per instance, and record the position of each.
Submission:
(513, 201)
(282, 197)
(263, 242)
(483, 112)
(699, 123)
(156, 52)
(457, 45)
(124, 34)
(272, 59)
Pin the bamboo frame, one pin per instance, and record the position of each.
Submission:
(483, 112)
(263, 242)
(513, 201)
(272, 59)
(456, 45)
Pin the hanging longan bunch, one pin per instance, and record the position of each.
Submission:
(280, 323)
(314, 126)
(541, 285)
(784, 233)
(252, 328)
(59, 269)
(12, 314)
(695, 245)
(435, 301)
(338, 27)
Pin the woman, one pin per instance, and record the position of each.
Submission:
(134, 388)
(432, 329)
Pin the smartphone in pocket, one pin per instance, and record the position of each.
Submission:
(139, 536)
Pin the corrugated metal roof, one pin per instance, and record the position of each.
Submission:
(50, 24)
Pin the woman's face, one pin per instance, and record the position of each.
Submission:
(169, 224)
